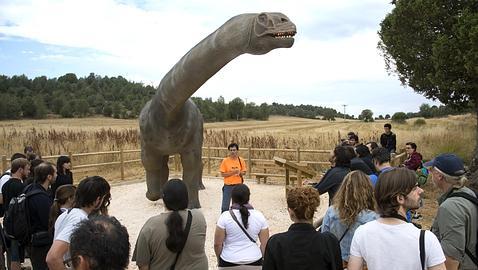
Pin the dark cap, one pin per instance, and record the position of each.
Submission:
(447, 163)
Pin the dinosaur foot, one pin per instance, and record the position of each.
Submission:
(153, 196)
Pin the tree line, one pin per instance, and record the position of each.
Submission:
(70, 96)
(425, 111)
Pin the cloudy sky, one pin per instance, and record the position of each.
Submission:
(334, 60)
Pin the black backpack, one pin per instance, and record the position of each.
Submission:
(2, 209)
(16, 222)
(474, 200)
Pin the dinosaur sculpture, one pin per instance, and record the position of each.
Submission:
(170, 123)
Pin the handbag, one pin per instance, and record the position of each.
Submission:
(186, 230)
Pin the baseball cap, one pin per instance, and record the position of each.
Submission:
(450, 164)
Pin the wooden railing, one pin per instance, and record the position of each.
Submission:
(248, 154)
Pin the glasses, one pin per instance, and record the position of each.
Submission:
(69, 262)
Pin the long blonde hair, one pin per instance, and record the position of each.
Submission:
(354, 195)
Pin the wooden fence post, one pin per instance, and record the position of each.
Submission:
(70, 155)
(121, 163)
(209, 160)
(249, 162)
(4, 163)
(298, 154)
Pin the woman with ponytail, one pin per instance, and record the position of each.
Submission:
(64, 198)
(175, 238)
(237, 232)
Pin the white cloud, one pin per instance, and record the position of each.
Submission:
(336, 42)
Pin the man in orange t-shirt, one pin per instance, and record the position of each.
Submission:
(232, 169)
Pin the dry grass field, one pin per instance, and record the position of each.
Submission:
(61, 136)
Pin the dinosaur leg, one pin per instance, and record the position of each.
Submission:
(156, 176)
(192, 173)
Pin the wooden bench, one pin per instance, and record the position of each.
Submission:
(264, 176)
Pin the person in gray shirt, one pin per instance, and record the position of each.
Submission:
(456, 222)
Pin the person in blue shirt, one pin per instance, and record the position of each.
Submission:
(353, 205)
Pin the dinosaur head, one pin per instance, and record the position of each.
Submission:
(271, 31)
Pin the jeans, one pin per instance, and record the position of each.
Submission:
(38, 257)
(226, 197)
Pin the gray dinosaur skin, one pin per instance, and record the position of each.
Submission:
(170, 123)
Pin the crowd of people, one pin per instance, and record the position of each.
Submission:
(368, 224)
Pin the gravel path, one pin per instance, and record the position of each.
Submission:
(130, 206)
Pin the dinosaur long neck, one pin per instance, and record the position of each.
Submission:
(200, 64)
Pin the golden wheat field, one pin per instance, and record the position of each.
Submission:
(51, 137)
(60, 136)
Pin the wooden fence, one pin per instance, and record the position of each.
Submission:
(212, 156)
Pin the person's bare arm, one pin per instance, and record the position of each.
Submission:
(219, 236)
(54, 258)
(263, 237)
(440, 266)
(451, 264)
(355, 263)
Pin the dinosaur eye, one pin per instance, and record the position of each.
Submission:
(262, 18)
(283, 19)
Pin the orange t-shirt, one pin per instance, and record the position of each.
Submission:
(228, 164)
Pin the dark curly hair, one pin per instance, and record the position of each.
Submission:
(89, 190)
(303, 201)
(103, 242)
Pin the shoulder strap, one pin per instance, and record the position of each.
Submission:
(474, 200)
(422, 248)
(464, 195)
(240, 226)
(346, 231)
(186, 230)
(240, 169)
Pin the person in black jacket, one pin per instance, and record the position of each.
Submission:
(388, 139)
(65, 176)
(332, 179)
(39, 206)
(364, 154)
(302, 247)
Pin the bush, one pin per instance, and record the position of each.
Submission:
(420, 122)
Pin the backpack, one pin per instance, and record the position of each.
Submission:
(474, 200)
(2, 209)
(422, 175)
(16, 222)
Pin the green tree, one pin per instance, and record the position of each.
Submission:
(425, 110)
(40, 108)
(236, 109)
(366, 115)
(220, 107)
(432, 45)
(399, 117)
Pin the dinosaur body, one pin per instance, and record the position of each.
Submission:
(171, 123)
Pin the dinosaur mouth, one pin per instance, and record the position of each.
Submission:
(289, 34)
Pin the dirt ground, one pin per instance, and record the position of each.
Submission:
(130, 206)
